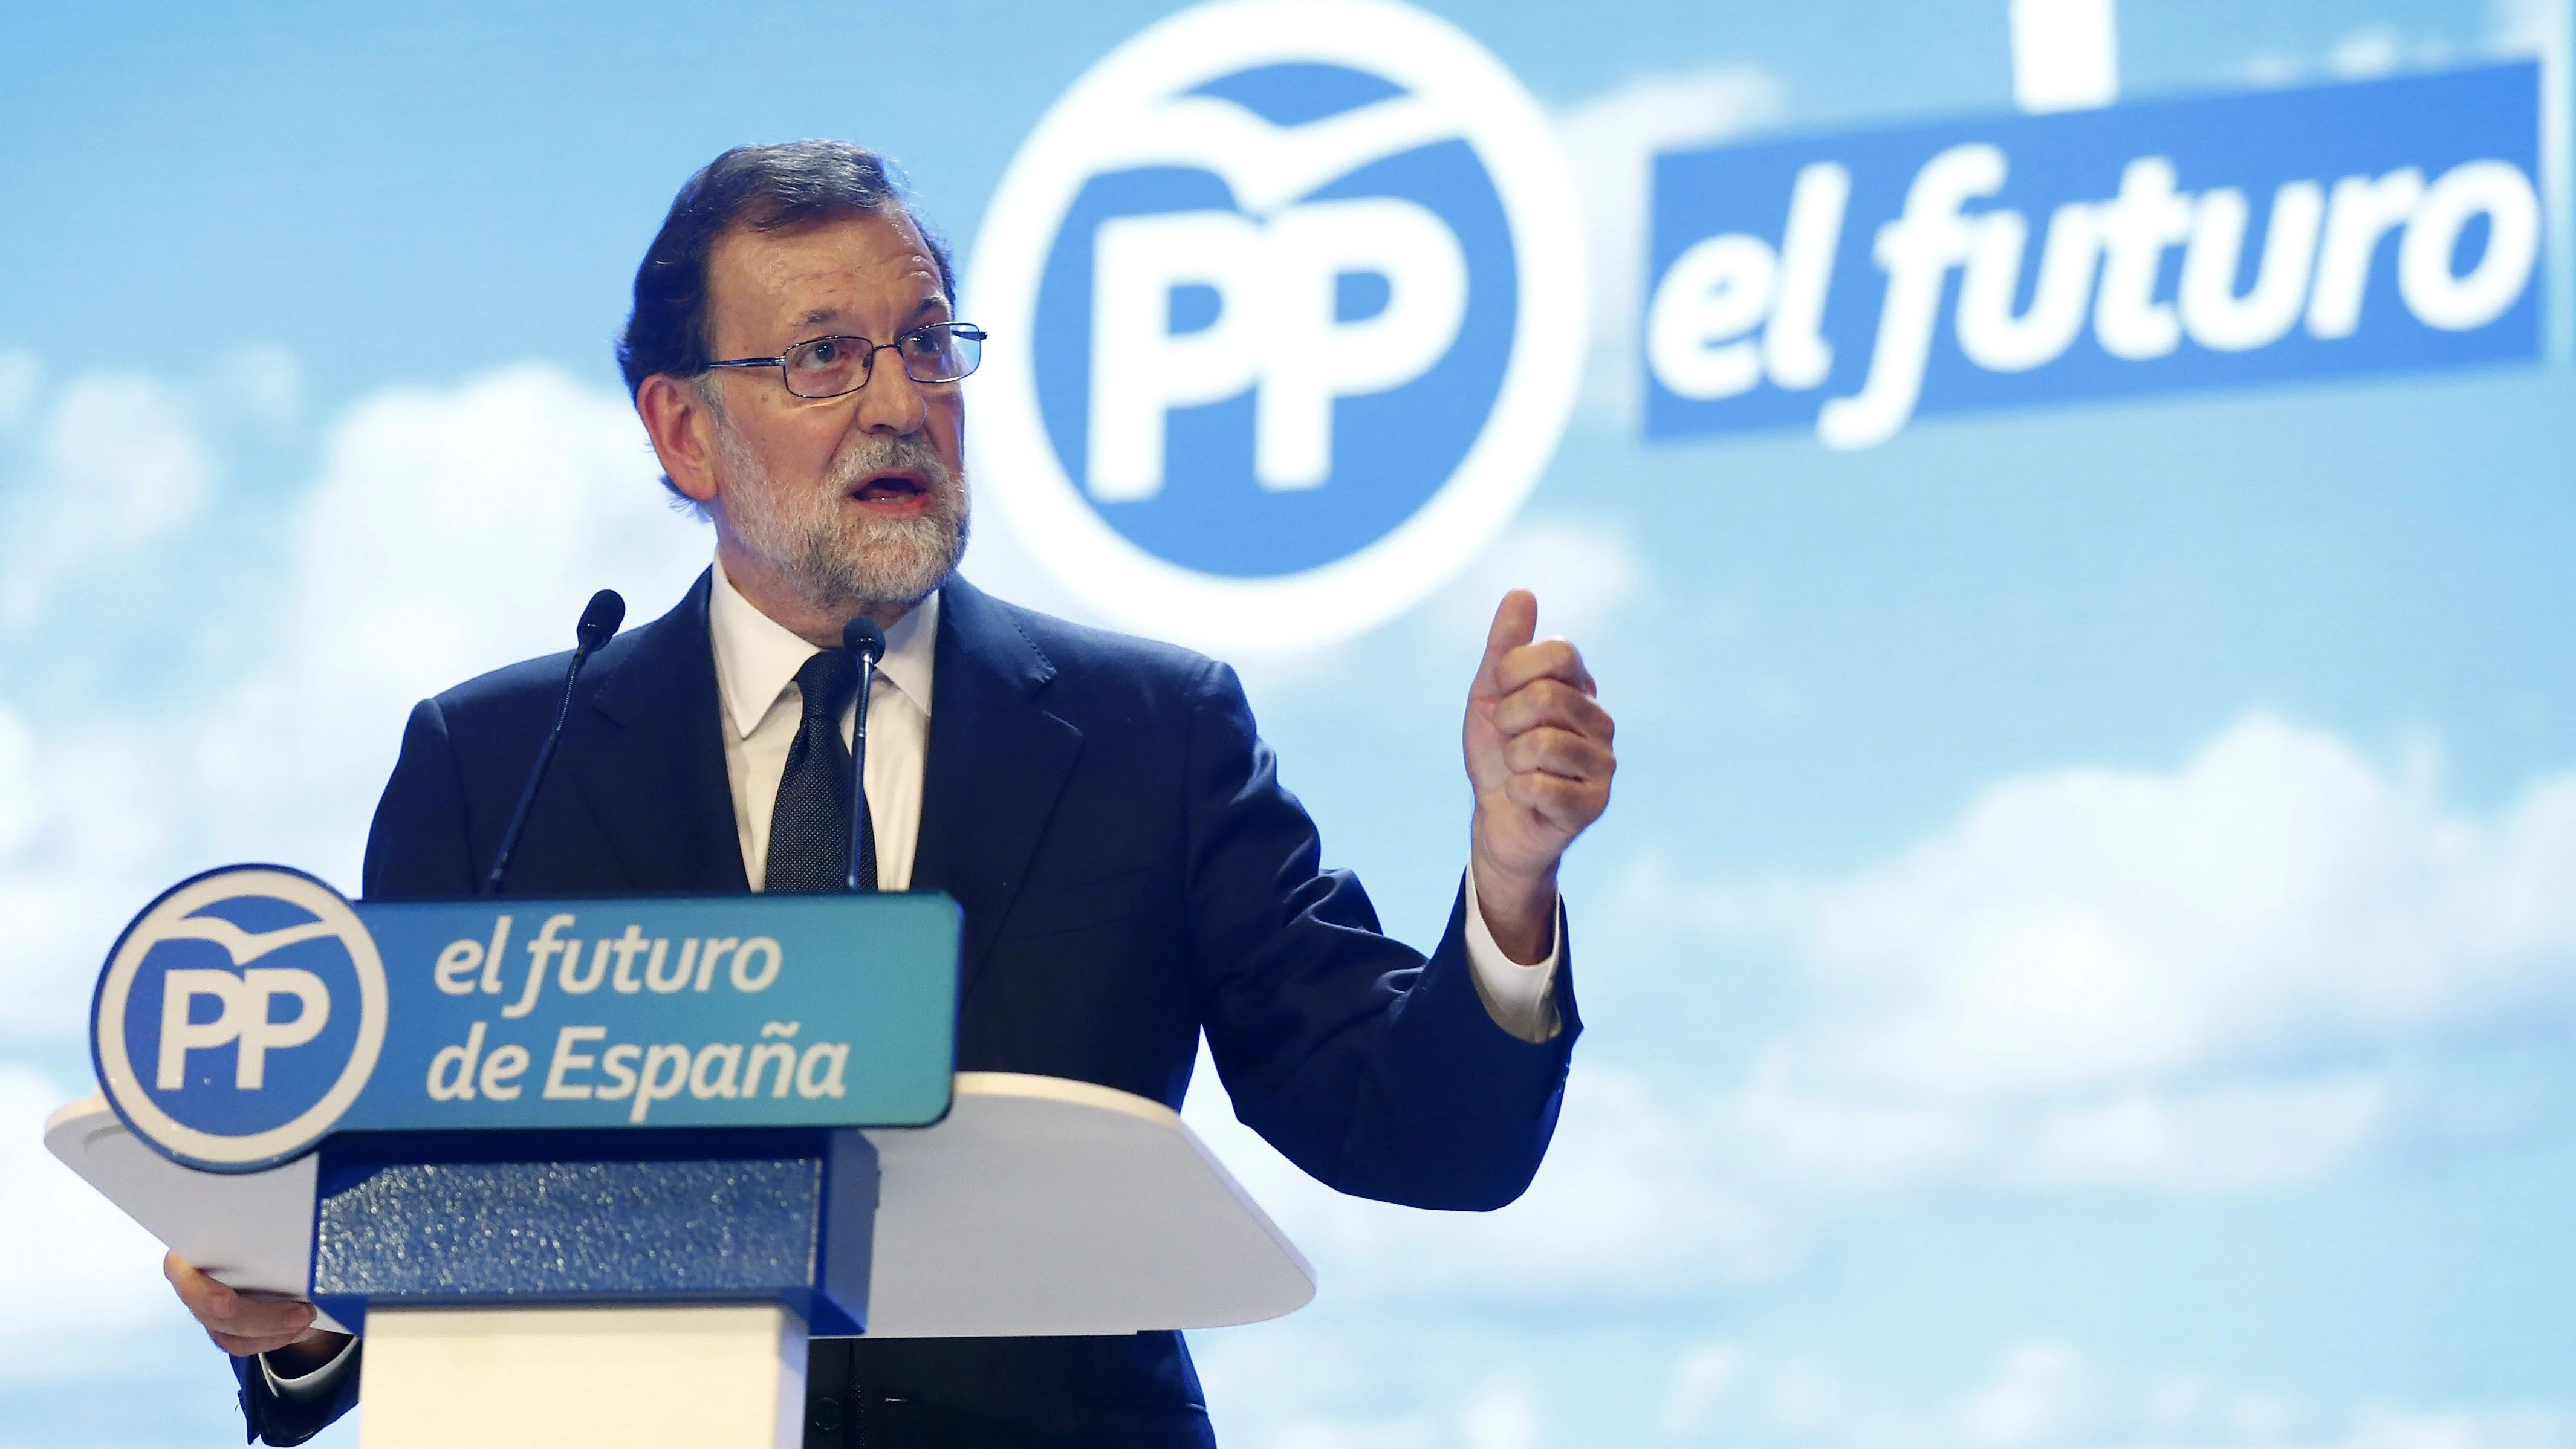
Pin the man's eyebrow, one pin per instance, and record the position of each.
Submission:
(817, 316)
(931, 305)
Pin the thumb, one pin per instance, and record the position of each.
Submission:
(1515, 624)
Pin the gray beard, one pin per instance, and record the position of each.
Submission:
(836, 561)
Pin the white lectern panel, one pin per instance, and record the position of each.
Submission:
(1044, 1206)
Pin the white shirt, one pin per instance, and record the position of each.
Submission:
(756, 663)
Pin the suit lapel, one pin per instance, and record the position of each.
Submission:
(997, 762)
(653, 771)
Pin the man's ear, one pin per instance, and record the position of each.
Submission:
(682, 427)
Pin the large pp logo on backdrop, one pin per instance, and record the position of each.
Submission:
(1290, 306)
(240, 1016)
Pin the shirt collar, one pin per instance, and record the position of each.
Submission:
(757, 657)
(911, 645)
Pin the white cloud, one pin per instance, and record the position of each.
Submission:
(79, 1276)
(2277, 900)
(1703, 1379)
(62, 919)
(454, 531)
(1501, 1417)
(2372, 51)
(1610, 140)
(1378, 1388)
(1638, 1203)
(122, 468)
(2188, 981)
(2040, 1394)
(2460, 1429)
(17, 783)
(84, 832)
(2236, 1137)
(125, 458)
(119, 479)
(2047, 1394)
(448, 533)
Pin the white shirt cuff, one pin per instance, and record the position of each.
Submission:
(311, 1385)
(1520, 998)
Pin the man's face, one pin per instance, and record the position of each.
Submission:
(858, 500)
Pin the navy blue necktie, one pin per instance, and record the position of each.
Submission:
(809, 829)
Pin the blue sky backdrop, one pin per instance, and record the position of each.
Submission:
(2084, 949)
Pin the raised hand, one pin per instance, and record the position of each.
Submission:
(1539, 756)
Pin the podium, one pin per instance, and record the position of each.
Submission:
(531, 1255)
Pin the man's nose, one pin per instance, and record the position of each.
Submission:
(891, 402)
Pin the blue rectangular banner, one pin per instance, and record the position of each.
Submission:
(1851, 282)
(730, 1011)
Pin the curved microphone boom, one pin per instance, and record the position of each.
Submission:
(598, 622)
(866, 643)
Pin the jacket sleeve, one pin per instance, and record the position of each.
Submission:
(273, 1419)
(1373, 1067)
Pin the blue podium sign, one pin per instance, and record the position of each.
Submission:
(252, 1011)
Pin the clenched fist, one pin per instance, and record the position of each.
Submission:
(1539, 757)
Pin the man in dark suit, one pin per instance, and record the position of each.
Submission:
(1130, 869)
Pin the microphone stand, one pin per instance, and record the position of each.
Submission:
(866, 643)
(598, 621)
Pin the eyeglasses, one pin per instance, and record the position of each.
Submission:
(831, 366)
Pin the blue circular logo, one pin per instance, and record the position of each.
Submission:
(1297, 294)
(238, 1017)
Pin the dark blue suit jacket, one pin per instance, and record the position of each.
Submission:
(1131, 872)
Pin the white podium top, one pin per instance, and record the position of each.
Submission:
(1038, 1206)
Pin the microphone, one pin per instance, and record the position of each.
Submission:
(598, 621)
(866, 643)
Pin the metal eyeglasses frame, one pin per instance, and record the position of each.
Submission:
(960, 331)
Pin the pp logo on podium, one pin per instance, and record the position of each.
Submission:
(239, 1016)
(1292, 294)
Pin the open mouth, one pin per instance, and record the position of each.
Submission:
(890, 488)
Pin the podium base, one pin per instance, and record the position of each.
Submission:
(730, 1377)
